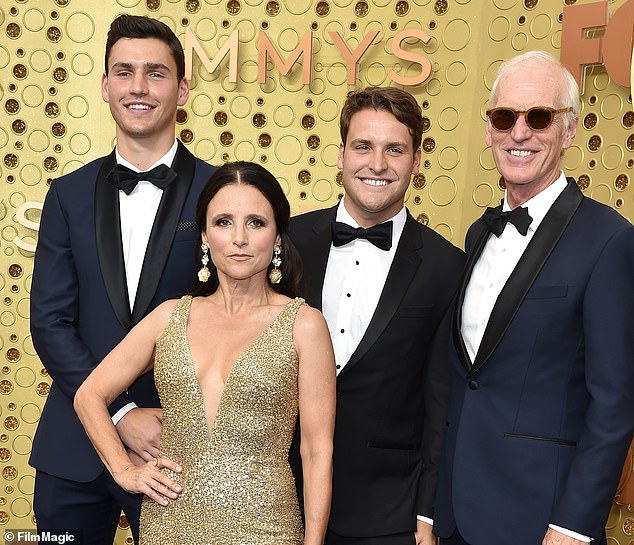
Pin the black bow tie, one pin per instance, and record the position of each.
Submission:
(380, 235)
(496, 220)
(125, 179)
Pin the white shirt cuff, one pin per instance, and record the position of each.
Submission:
(425, 519)
(122, 412)
(570, 533)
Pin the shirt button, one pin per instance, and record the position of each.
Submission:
(338, 366)
(357, 262)
(342, 330)
(347, 295)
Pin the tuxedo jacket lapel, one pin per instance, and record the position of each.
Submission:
(404, 266)
(108, 241)
(163, 231)
(472, 259)
(530, 264)
(317, 259)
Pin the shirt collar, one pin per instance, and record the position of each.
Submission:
(398, 221)
(539, 205)
(167, 159)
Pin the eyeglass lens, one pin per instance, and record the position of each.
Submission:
(504, 119)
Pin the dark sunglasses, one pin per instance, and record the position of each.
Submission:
(538, 118)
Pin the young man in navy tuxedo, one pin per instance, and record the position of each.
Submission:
(116, 239)
(384, 283)
(542, 405)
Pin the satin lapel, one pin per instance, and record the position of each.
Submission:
(472, 259)
(407, 259)
(539, 249)
(163, 231)
(108, 240)
(317, 259)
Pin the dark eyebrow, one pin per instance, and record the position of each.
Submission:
(125, 65)
(147, 66)
(156, 66)
(358, 141)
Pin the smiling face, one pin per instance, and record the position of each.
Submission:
(377, 163)
(143, 92)
(530, 160)
(240, 232)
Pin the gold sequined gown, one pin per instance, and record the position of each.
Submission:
(238, 488)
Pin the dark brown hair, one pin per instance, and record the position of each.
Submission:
(138, 27)
(399, 103)
(247, 173)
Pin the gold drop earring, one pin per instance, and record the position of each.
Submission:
(276, 274)
(203, 273)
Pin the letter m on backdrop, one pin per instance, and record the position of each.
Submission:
(267, 49)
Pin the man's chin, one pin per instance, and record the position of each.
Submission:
(139, 132)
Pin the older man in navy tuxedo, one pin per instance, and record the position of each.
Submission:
(542, 407)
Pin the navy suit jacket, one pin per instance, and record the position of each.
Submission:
(392, 393)
(79, 297)
(539, 423)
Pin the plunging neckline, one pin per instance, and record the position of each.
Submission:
(236, 363)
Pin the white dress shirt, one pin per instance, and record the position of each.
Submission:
(496, 263)
(137, 212)
(354, 280)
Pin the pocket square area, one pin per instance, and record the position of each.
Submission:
(186, 226)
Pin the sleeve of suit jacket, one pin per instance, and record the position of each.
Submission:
(437, 383)
(54, 302)
(436, 388)
(608, 315)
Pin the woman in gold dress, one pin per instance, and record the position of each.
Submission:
(233, 364)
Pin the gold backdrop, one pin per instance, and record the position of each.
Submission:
(52, 121)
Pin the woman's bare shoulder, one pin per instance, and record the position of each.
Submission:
(309, 321)
(160, 316)
(166, 308)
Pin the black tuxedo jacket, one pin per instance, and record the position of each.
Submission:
(79, 297)
(540, 421)
(391, 395)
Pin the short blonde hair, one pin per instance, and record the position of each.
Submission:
(569, 91)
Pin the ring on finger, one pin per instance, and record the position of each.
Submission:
(155, 462)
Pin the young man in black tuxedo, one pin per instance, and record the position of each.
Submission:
(384, 283)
